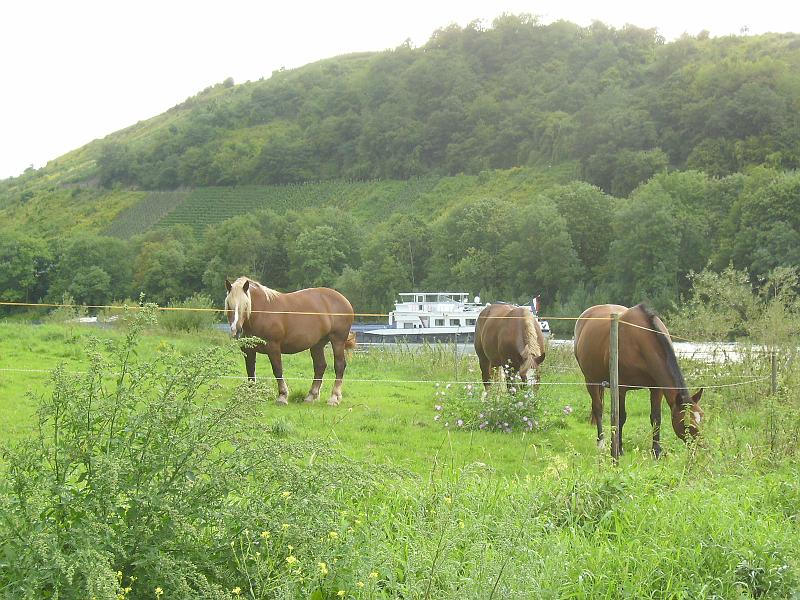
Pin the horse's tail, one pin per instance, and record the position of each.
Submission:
(350, 343)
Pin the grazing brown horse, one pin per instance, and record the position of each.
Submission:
(508, 335)
(290, 323)
(646, 360)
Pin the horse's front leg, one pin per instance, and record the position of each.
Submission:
(250, 364)
(318, 356)
(274, 354)
(655, 420)
(339, 365)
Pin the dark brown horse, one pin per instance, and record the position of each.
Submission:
(508, 335)
(646, 360)
(290, 323)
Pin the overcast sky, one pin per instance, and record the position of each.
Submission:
(76, 70)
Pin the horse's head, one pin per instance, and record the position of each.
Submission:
(237, 304)
(687, 414)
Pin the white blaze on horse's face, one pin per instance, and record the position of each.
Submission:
(237, 306)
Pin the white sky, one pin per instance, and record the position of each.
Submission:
(76, 70)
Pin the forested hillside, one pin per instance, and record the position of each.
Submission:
(580, 163)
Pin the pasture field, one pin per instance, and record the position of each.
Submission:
(375, 498)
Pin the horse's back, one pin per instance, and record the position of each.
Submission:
(591, 343)
(500, 332)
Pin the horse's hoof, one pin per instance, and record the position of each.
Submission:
(334, 401)
(311, 398)
(283, 400)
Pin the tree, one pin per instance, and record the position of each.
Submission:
(24, 265)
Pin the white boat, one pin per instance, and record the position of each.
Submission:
(432, 316)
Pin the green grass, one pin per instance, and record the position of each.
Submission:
(456, 514)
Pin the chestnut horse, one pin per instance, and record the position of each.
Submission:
(506, 334)
(646, 360)
(290, 323)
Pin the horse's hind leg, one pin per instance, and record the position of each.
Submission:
(277, 370)
(339, 365)
(596, 392)
(318, 356)
(486, 372)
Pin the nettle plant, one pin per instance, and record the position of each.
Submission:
(509, 405)
(143, 474)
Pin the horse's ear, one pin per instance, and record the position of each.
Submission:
(246, 286)
(696, 397)
(227, 284)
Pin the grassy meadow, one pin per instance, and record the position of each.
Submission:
(375, 498)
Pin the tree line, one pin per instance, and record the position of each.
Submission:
(622, 103)
(574, 244)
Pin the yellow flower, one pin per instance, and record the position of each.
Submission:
(340, 593)
(159, 592)
(461, 524)
(286, 494)
(373, 575)
(119, 575)
(323, 568)
(357, 521)
(333, 535)
(237, 590)
(290, 547)
(265, 534)
(360, 584)
(291, 559)
(448, 499)
(285, 526)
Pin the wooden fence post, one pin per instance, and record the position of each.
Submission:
(614, 381)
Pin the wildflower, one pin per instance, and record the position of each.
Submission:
(447, 424)
(159, 592)
(520, 405)
(237, 590)
(323, 568)
(340, 593)
(333, 535)
(286, 494)
(437, 417)
(448, 499)
(438, 407)
(567, 409)
(360, 584)
(459, 422)
(469, 387)
(291, 559)
(264, 534)
(290, 547)
(447, 386)
(373, 575)
(437, 384)
(461, 524)
(285, 526)
(119, 576)
(357, 522)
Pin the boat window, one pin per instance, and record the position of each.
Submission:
(470, 321)
(455, 322)
(438, 322)
(420, 307)
(408, 326)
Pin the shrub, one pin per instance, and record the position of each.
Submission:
(147, 475)
(196, 313)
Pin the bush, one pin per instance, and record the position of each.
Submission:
(506, 408)
(196, 313)
(147, 475)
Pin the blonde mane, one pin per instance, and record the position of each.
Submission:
(244, 299)
(531, 339)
